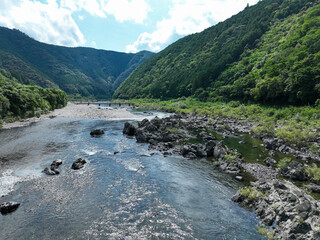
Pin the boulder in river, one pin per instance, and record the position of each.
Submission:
(129, 129)
(96, 133)
(78, 164)
(50, 171)
(8, 207)
(53, 170)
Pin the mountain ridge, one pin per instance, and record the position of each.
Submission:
(79, 71)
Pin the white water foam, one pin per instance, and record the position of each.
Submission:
(89, 152)
(7, 182)
(9, 179)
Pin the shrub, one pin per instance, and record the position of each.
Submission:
(313, 173)
(267, 128)
(252, 193)
(268, 233)
(284, 162)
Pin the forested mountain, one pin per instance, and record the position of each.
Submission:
(269, 52)
(78, 71)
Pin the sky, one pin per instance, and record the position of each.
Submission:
(118, 25)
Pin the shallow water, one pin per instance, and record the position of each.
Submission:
(128, 195)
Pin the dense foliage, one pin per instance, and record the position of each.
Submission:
(20, 101)
(267, 53)
(82, 72)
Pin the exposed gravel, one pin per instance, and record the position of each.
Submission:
(77, 111)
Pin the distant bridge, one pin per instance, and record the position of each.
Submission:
(107, 103)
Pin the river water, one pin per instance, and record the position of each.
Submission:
(128, 195)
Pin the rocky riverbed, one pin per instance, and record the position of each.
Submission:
(282, 204)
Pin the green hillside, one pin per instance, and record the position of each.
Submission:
(267, 53)
(81, 71)
(18, 100)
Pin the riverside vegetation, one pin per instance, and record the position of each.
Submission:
(19, 101)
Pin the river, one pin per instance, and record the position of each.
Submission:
(128, 195)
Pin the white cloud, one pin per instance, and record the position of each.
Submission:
(125, 10)
(187, 17)
(93, 7)
(45, 22)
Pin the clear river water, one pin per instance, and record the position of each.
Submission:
(128, 195)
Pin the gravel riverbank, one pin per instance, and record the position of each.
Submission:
(77, 111)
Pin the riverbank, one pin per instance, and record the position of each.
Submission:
(192, 136)
(296, 127)
(76, 111)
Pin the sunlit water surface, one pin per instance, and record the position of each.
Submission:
(128, 195)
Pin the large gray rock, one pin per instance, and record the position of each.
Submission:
(294, 171)
(142, 136)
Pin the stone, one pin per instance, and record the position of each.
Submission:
(218, 151)
(315, 188)
(56, 163)
(238, 197)
(50, 171)
(294, 171)
(270, 144)
(210, 148)
(300, 228)
(142, 136)
(270, 162)
(129, 129)
(190, 155)
(239, 178)
(53, 170)
(143, 123)
(78, 164)
(96, 133)
(8, 207)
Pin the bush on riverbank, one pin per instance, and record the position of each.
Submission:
(22, 101)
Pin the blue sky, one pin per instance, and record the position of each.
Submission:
(119, 25)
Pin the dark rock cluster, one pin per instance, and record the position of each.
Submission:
(96, 133)
(53, 170)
